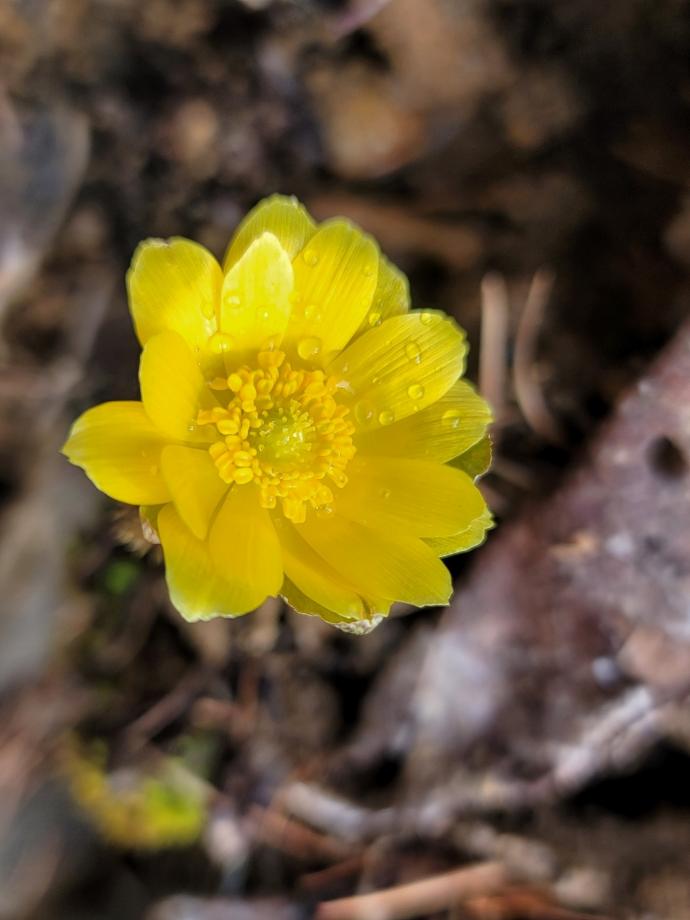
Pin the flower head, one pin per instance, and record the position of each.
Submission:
(301, 431)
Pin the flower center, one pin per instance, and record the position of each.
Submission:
(282, 429)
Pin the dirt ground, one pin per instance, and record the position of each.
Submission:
(524, 753)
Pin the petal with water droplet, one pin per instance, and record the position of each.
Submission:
(448, 427)
(416, 496)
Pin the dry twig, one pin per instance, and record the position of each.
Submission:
(528, 392)
(494, 342)
(420, 898)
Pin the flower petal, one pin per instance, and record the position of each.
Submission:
(422, 498)
(255, 304)
(400, 367)
(174, 285)
(391, 297)
(475, 461)
(119, 449)
(446, 428)
(391, 565)
(467, 539)
(300, 603)
(308, 572)
(282, 216)
(173, 388)
(194, 484)
(245, 549)
(196, 587)
(335, 279)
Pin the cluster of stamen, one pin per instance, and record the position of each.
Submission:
(282, 429)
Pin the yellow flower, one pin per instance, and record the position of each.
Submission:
(301, 431)
(163, 807)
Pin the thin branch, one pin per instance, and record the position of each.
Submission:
(528, 391)
(493, 342)
(421, 898)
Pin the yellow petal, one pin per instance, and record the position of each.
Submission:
(282, 216)
(300, 603)
(467, 539)
(392, 565)
(391, 297)
(245, 548)
(400, 367)
(174, 285)
(196, 587)
(446, 428)
(255, 305)
(308, 572)
(173, 388)
(119, 449)
(422, 498)
(475, 461)
(194, 484)
(335, 279)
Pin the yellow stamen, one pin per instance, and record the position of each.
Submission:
(284, 430)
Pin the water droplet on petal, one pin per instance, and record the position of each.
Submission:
(413, 352)
(415, 391)
(220, 342)
(426, 318)
(386, 417)
(368, 270)
(385, 493)
(374, 318)
(325, 511)
(364, 412)
(233, 300)
(308, 348)
(310, 310)
(265, 315)
(311, 257)
(451, 418)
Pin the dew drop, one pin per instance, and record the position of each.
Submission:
(220, 342)
(325, 511)
(386, 417)
(233, 300)
(311, 257)
(364, 412)
(385, 494)
(451, 418)
(265, 315)
(308, 348)
(310, 310)
(426, 319)
(415, 391)
(368, 270)
(413, 352)
(374, 318)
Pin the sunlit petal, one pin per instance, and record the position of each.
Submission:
(255, 305)
(281, 215)
(245, 548)
(174, 285)
(173, 389)
(119, 449)
(420, 497)
(335, 278)
(400, 367)
(197, 589)
(386, 564)
(194, 484)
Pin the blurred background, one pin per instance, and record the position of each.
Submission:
(524, 753)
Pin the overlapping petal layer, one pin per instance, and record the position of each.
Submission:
(301, 432)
